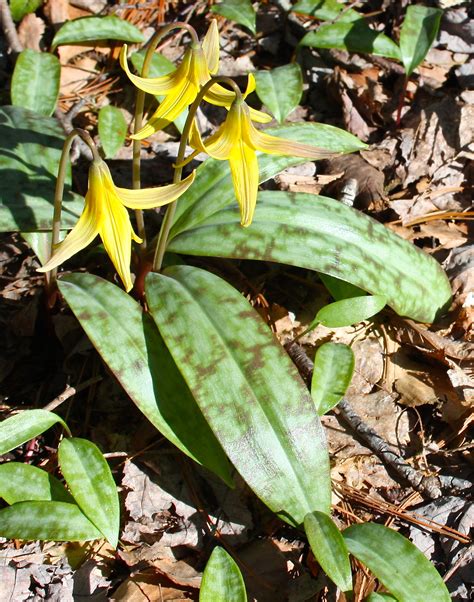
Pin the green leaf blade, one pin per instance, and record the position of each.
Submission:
(332, 374)
(35, 81)
(240, 11)
(22, 427)
(280, 89)
(91, 29)
(396, 562)
(20, 8)
(92, 485)
(326, 10)
(112, 130)
(329, 548)
(23, 483)
(222, 579)
(418, 32)
(47, 521)
(348, 312)
(246, 387)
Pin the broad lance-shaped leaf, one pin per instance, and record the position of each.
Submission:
(247, 388)
(131, 346)
(332, 374)
(90, 29)
(329, 548)
(396, 562)
(417, 34)
(326, 10)
(47, 521)
(240, 11)
(20, 8)
(30, 149)
(322, 234)
(35, 81)
(212, 189)
(23, 482)
(112, 129)
(92, 485)
(280, 89)
(348, 312)
(22, 427)
(222, 579)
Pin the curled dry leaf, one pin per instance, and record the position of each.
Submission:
(31, 31)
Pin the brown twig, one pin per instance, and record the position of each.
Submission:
(9, 29)
(70, 392)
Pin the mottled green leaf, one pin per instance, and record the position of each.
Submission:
(326, 10)
(91, 29)
(22, 427)
(354, 36)
(23, 482)
(324, 235)
(20, 8)
(332, 374)
(280, 89)
(222, 579)
(213, 190)
(418, 32)
(348, 312)
(50, 521)
(247, 388)
(112, 130)
(30, 149)
(35, 81)
(340, 289)
(240, 11)
(329, 548)
(396, 562)
(40, 243)
(91, 483)
(130, 344)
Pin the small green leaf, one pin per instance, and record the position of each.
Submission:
(50, 521)
(339, 289)
(329, 548)
(20, 8)
(91, 29)
(396, 562)
(348, 312)
(35, 81)
(222, 579)
(22, 427)
(91, 483)
(23, 483)
(333, 368)
(280, 89)
(326, 10)
(379, 597)
(417, 34)
(354, 36)
(112, 130)
(240, 11)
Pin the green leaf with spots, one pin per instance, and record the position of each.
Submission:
(329, 548)
(131, 346)
(417, 34)
(91, 483)
(112, 130)
(47, 521)
(23, 482)
(355, 36)
(322, 234)
(396, 562)
(247, 388)
(35, 81)
(92, 29)
(20, 8)
(30, 150)
(212, 189)
(332, 374)
(280, 89)
(222, 579)
(348, 312)
(326, 10)
(240, 11)
(22, 427)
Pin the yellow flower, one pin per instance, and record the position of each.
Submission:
(181, 86)
(105, 214)
(237, 141)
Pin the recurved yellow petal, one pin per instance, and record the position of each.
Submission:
(244, 169)
(148, 198)
(210, 46)
(221, 97)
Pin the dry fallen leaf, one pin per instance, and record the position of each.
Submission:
(30, 31)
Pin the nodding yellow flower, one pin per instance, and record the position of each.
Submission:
(237, 141)
(181, 86)
(105, 214)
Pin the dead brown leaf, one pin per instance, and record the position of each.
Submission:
(30, 32)
(57, 11)
(146, 587)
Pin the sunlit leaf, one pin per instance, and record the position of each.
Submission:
(22, 427)
(347, 312)
(396, 562)
(379, 597)
(35, 81)
(240, 11)
(112, 130)
(418, 32)
(340, 289)
(326, 10)
(247, 388)
(280, 89)
(222, 579)
(20, 8)
(329, 548)
(333, 368)
(90, 29)
(23, 482)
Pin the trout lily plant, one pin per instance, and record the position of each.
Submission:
(188, 348)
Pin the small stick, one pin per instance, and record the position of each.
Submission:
(70, 392)
(9, 29)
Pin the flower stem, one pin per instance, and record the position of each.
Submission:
(178, 170)
(138, 120)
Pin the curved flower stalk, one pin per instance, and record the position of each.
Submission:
(105, 214)
(181, 87)
(237, 141)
